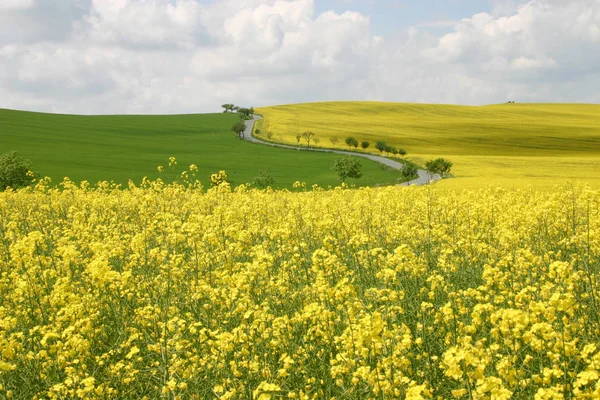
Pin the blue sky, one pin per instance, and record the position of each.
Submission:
(390, 15)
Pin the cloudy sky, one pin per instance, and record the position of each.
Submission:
(181, 56)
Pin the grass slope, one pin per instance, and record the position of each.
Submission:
(509, 144)
(120, 148)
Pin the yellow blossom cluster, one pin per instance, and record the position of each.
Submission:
(171, 291)
(218, 178)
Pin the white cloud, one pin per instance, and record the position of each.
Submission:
(149, 24)
(522, 63)
(16, 4)
(166, 56)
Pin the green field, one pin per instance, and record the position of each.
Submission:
(514, 145)
(120, 148)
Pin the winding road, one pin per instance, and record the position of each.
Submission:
(423, 179)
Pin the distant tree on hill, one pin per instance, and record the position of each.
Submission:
(239, 128)
(307, 136)
(269, 135)
(402, 152)
(347, 167)
(298, 137)
(316, 140)
(227, 107)
(245, 112)
(439, 166)
(351, 141)
(365, 144)
(334, 140)
(15, 171)
(381, 146)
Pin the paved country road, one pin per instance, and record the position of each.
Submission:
(423, 178)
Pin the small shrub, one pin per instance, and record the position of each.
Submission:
(15, 171)
(263, 179)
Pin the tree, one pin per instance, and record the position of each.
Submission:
(269, 135)
(381, 146)
(351, 141)
(316, 140)
(244, 112)
(439, 166)
(347, 167)
(308, 135)
(409, 171)
(227, 107)
(263, 179)
(365, 144)
(298, 137)
(239, 128)
(444, 167)
(15, 171)
(402, 152)
(334, 140)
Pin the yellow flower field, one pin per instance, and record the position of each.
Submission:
(177, 292)
(508, 145)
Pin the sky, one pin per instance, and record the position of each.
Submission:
(191, 56)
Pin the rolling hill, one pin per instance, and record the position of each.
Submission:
(124, 147)
(514, 145)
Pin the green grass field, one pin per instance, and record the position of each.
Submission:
(120, 148)
(514, 145)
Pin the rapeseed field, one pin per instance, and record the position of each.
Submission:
(177, 292)
(511, 145)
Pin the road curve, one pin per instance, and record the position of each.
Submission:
(423, 179)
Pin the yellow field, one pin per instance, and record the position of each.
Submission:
(513, 145)
(171, 292)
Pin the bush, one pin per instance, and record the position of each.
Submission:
(264, 179)
(15, 171)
